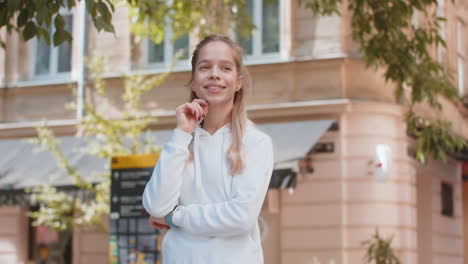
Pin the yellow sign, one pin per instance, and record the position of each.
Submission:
(134, 161)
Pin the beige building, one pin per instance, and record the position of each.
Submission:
(304, 69)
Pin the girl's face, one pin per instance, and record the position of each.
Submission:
(215, 75)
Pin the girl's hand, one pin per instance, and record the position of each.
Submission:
(158, 223)
(189, 115)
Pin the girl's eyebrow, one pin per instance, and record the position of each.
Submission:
(201, 61)
(222, 61)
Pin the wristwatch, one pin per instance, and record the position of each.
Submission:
(169, 217)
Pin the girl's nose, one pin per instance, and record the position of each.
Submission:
(214, 74)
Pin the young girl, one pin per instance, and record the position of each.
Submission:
(211, 179)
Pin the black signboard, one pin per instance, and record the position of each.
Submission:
(132, 240)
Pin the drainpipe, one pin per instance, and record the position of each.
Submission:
(80, 94)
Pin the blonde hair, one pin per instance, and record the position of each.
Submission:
(238, 119)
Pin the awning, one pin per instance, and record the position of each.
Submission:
(21, 167)
(292, 140)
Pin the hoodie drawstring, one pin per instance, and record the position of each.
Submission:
(196, 159)
(224, 164)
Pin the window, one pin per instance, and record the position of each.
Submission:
(265, 39)
(441, 52)
(48, 60)
(461, 57)
(47, 246)
(163, 54)
(446, 196)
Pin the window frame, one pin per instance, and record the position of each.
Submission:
(441, 50)
(53, 73)
(282, 55)
(447, 199)
(461, 57)
(257, 56)
(168, 52)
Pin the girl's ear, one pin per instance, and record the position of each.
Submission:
(240, 82)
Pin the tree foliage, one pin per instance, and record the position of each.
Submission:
(43, 19)
(35, 18)
(379, 250)
(389, 40)
(150, 17)
(104, 138)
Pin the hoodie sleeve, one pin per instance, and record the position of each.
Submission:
(240, 213)
(162, 191)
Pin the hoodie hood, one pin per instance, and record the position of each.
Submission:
(199, 132)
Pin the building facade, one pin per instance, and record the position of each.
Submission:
(304, 68)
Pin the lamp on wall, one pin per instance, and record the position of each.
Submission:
(382, 162)
(305, 165)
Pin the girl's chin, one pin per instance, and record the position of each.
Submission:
(215, 101)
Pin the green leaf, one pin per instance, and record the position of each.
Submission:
(22, 18)
(44, 34)
(29, 31)
(59, 22)
(53, 6)
(71, 4)
(68, 37)
(99, 23)
(111, 5)
(103, 9)
(4, 18)
(59, 37)
(12, 5)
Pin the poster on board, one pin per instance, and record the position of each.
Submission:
(131, 239)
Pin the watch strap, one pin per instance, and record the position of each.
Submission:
(169, 217)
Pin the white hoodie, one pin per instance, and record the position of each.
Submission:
(218, 213)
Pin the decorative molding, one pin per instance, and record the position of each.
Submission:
(262, 113)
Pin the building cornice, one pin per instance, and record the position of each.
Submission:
(28, 129)
(261, 113)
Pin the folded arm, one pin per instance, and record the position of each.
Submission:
(162, 192)
(240, 213)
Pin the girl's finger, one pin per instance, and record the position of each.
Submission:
(200, 111)
(190, 109)
(156, 226)
(203, 104)
(161, 226)
(193, 111)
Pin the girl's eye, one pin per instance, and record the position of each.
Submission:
(203, 67)
(227, 68)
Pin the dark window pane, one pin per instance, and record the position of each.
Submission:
(42, 62)
(181, 45)
(64, 50)
(155, 52)
(270, 26)
(447, 199)
(246, 42)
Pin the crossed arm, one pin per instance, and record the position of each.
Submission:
(229, 218)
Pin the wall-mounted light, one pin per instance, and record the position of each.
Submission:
(382, 162)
